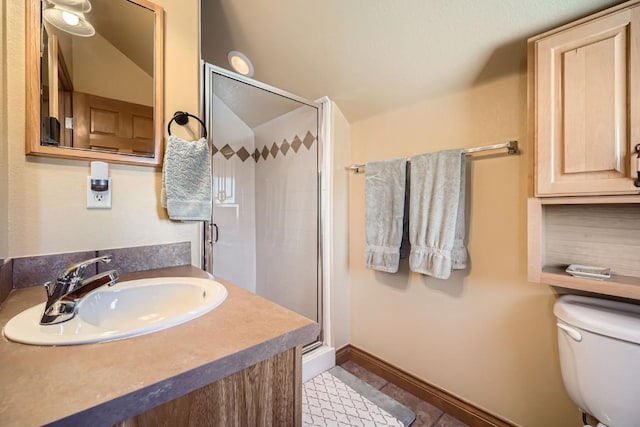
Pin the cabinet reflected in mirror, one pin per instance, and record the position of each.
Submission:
(97, 94)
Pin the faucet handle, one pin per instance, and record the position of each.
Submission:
(49, 288)
(76, 271)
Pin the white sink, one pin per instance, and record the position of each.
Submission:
(127, 309)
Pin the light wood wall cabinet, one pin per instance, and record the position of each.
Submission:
(584, 122)
(586, 105)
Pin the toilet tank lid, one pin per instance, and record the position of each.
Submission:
(610, 318)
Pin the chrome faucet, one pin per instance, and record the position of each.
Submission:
(70, 287)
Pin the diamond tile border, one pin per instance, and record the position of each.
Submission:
(274, 150)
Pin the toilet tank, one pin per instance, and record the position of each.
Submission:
(599, 347)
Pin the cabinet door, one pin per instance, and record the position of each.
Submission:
(586, 114)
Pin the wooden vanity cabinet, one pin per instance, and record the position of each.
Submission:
(585, 95)
(268, 393)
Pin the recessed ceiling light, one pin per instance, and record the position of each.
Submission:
(240, 63)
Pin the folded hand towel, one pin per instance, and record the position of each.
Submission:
(384, 212)
(436, 213)
(186, 180)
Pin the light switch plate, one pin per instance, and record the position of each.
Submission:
(98, 199)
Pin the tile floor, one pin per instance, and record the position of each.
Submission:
(427, 415)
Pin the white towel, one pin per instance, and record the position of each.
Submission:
(384, 211)
(186, 180)
(436, 213)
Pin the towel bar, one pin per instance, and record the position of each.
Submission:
(511, 146)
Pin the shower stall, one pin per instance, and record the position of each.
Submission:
(266, 229)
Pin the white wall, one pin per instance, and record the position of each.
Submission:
(46, 197)
(486, 335)
(234, 255)
(340, 291)
(286, 214)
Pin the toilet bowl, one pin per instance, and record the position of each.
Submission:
(599, 347)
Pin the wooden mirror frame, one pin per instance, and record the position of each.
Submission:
(33, 92)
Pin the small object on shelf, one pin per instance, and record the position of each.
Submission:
(589, 271)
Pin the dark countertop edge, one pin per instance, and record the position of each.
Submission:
(132, 404)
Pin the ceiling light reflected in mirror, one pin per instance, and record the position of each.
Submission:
(68, 16)
(240, 63)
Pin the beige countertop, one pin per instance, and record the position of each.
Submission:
(101, 384)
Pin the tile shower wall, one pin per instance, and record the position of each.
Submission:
(234, 255)
(287, 210)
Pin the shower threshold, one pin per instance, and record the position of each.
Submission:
(318, 360)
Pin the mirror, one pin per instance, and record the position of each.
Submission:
(95, 80)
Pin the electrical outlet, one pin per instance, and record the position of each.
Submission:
(98, 199)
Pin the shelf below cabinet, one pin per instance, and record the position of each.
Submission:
(595, 231)
(617, 285)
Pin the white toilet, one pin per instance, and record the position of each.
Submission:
(599, 344)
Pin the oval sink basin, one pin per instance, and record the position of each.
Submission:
(127, 309)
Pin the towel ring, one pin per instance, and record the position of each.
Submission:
(182, 118)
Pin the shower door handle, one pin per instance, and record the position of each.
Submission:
(214, 226)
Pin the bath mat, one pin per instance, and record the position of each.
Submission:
(337, 398)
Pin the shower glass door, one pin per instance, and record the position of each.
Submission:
(266, 196)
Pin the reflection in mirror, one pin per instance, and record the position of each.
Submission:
(266, 157)
(100, 80)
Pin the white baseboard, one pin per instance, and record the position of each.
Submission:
(316, 362)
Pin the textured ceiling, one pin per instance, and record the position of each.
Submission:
(254, 106)
(372, 56)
